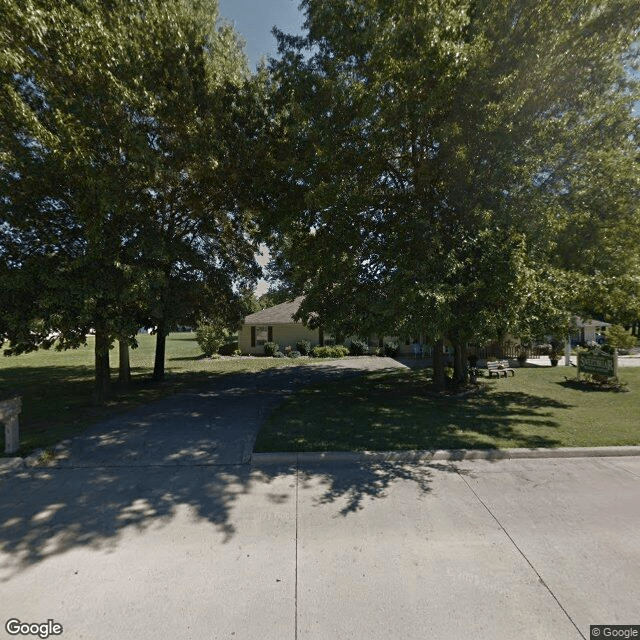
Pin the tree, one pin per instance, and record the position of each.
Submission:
(123, 157)
(431, 158)
(67, 173)
(618, 337)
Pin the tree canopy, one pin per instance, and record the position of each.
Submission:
(125, 136)
(456, 168)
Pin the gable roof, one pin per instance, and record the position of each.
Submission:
(590, 323)
(280, 314)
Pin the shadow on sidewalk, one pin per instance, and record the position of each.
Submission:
(48, 512)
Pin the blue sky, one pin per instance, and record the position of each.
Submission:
(254, 19)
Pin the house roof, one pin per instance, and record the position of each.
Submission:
(591, 323)
(280, 314)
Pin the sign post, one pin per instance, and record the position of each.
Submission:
(567, 352)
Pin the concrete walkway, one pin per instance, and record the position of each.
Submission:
(156, 526)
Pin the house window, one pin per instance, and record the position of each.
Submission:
(262, 336)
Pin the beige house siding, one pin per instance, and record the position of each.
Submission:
(285, 334)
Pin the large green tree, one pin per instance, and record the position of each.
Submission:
(122, 129)
(433, 159)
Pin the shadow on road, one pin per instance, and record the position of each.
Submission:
(139, 470)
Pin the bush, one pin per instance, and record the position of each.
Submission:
(304, 347)
(544, 349)
(358, 348)
(619, 338)
(294, 354)
(271, 348)
(278, 354)
(211, 337)
(391, 349)
(330, 352)
(473, 360)
(228, 349)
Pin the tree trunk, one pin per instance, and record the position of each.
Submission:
(438, 365)
(158, 366)
(102, 369)
(460, 369)
(124, 368)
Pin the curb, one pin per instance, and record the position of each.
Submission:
(441, 454)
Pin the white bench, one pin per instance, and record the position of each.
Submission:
(499, 367)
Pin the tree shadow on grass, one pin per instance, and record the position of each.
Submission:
(590, 387)
(410, 419)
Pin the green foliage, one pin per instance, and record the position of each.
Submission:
(358, 348)
(338, 351)
(271, 348)
(304, 347)
(229, 348)
(293, 354)
(211, 337)
(619, 338)
(391, 349)
(119, 211)
(447, 158)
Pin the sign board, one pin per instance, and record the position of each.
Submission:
(598, 363)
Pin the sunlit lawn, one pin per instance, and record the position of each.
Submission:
(391, 411)
(56, 386)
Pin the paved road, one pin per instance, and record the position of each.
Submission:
(527, 549)
(186, 541)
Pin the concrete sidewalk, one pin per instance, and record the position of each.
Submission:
(512, 549)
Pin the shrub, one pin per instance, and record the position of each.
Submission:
(358, 348)
(619, 338)
(329, 352)
(544, 349)
(304, 347)
(237, 353)
(271, 348)
(278, 354)
(473, 360)
(391, 349)
(211, 337)
(294, 354)
(228, 349)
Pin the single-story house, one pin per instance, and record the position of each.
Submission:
(276, 324)
(588, 330)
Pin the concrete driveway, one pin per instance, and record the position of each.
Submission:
(177, 544)
(217, 425)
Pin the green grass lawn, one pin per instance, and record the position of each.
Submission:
(56, 386)
(392, 411)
